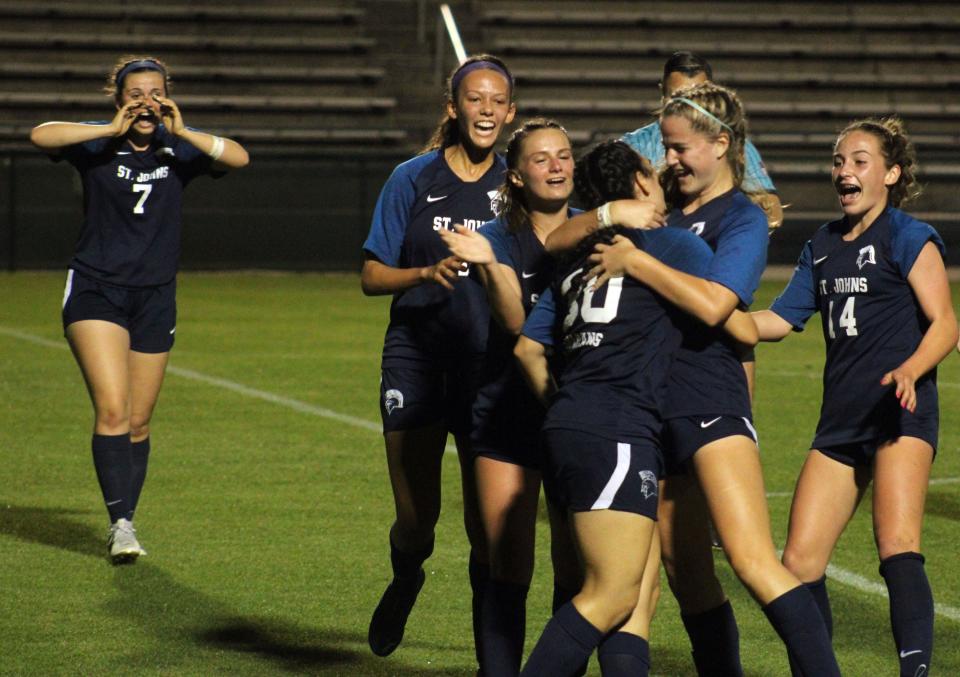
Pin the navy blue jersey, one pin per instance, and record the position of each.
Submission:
(132, 206)
(707, 376)
(506, 413)
(616, 343)
(871, 320)
(421, 197)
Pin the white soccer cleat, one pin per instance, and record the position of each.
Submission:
(122, 544)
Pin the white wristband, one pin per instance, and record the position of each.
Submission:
(217, 150)
(603, 216)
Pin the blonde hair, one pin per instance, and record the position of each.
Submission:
(717, 111)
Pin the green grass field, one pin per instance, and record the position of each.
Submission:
(266, 514)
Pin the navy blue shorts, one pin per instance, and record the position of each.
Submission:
(584, 472)
(149, 314)
(894, 422)
(683, 436)
(507, 419)
(412, 398)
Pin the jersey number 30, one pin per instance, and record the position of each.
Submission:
(601, 315)
(847, 321)
(144, 188)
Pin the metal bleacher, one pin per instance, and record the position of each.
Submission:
(345, 89)
(804, 68)
(279, 77)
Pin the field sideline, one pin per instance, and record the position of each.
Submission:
(266, 508)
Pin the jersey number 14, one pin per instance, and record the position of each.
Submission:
(847, 321)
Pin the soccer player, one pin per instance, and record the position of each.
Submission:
(602, 458)
(119, 305)
(708, 424)
(509, 257)
(877, 277)
(434, 344)
(611, 171)
(681, 70)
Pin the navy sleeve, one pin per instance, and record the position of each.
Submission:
(741, 253)
(79, 154)
(390, 217)
(678, 248)
(907, 241)
(798, 301)
(500, 241)
(191, 162)
(542, 319)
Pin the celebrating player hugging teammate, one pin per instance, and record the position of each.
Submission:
(434, 345)
(508, 254)
(877, 277)
(119, 306)
(713, 462)
(601, 437)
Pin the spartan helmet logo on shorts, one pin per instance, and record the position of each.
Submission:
(648, 483)
(867, 255)
(392, 399)
(697, 228)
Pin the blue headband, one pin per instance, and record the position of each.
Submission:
(142, 65)
(476, 66)
(697, 106)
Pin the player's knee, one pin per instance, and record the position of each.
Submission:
(616, 604)
(139, 427)
(112, 418)
(804, 565)
(752, 567)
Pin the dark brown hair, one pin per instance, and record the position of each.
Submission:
(115, 89)
(447, 132)
(897, 149)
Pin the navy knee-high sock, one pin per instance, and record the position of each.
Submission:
(407, 565)
(715, 641)
(503, 623)
(565, 645)
(818, 589)
(561, 596)
(624, 655)
(911, 610)
(479, 577)
(795, 617)
(111, 460)
(139, 455)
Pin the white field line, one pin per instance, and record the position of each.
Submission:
(816, 374)
(843, 576)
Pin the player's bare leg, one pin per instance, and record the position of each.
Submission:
(414, 459)
(610, 591)
(901, 476)
(509, 497)
(102, 351)
(827, 494)
(730, 474)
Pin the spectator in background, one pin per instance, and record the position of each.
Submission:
(683, 69)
